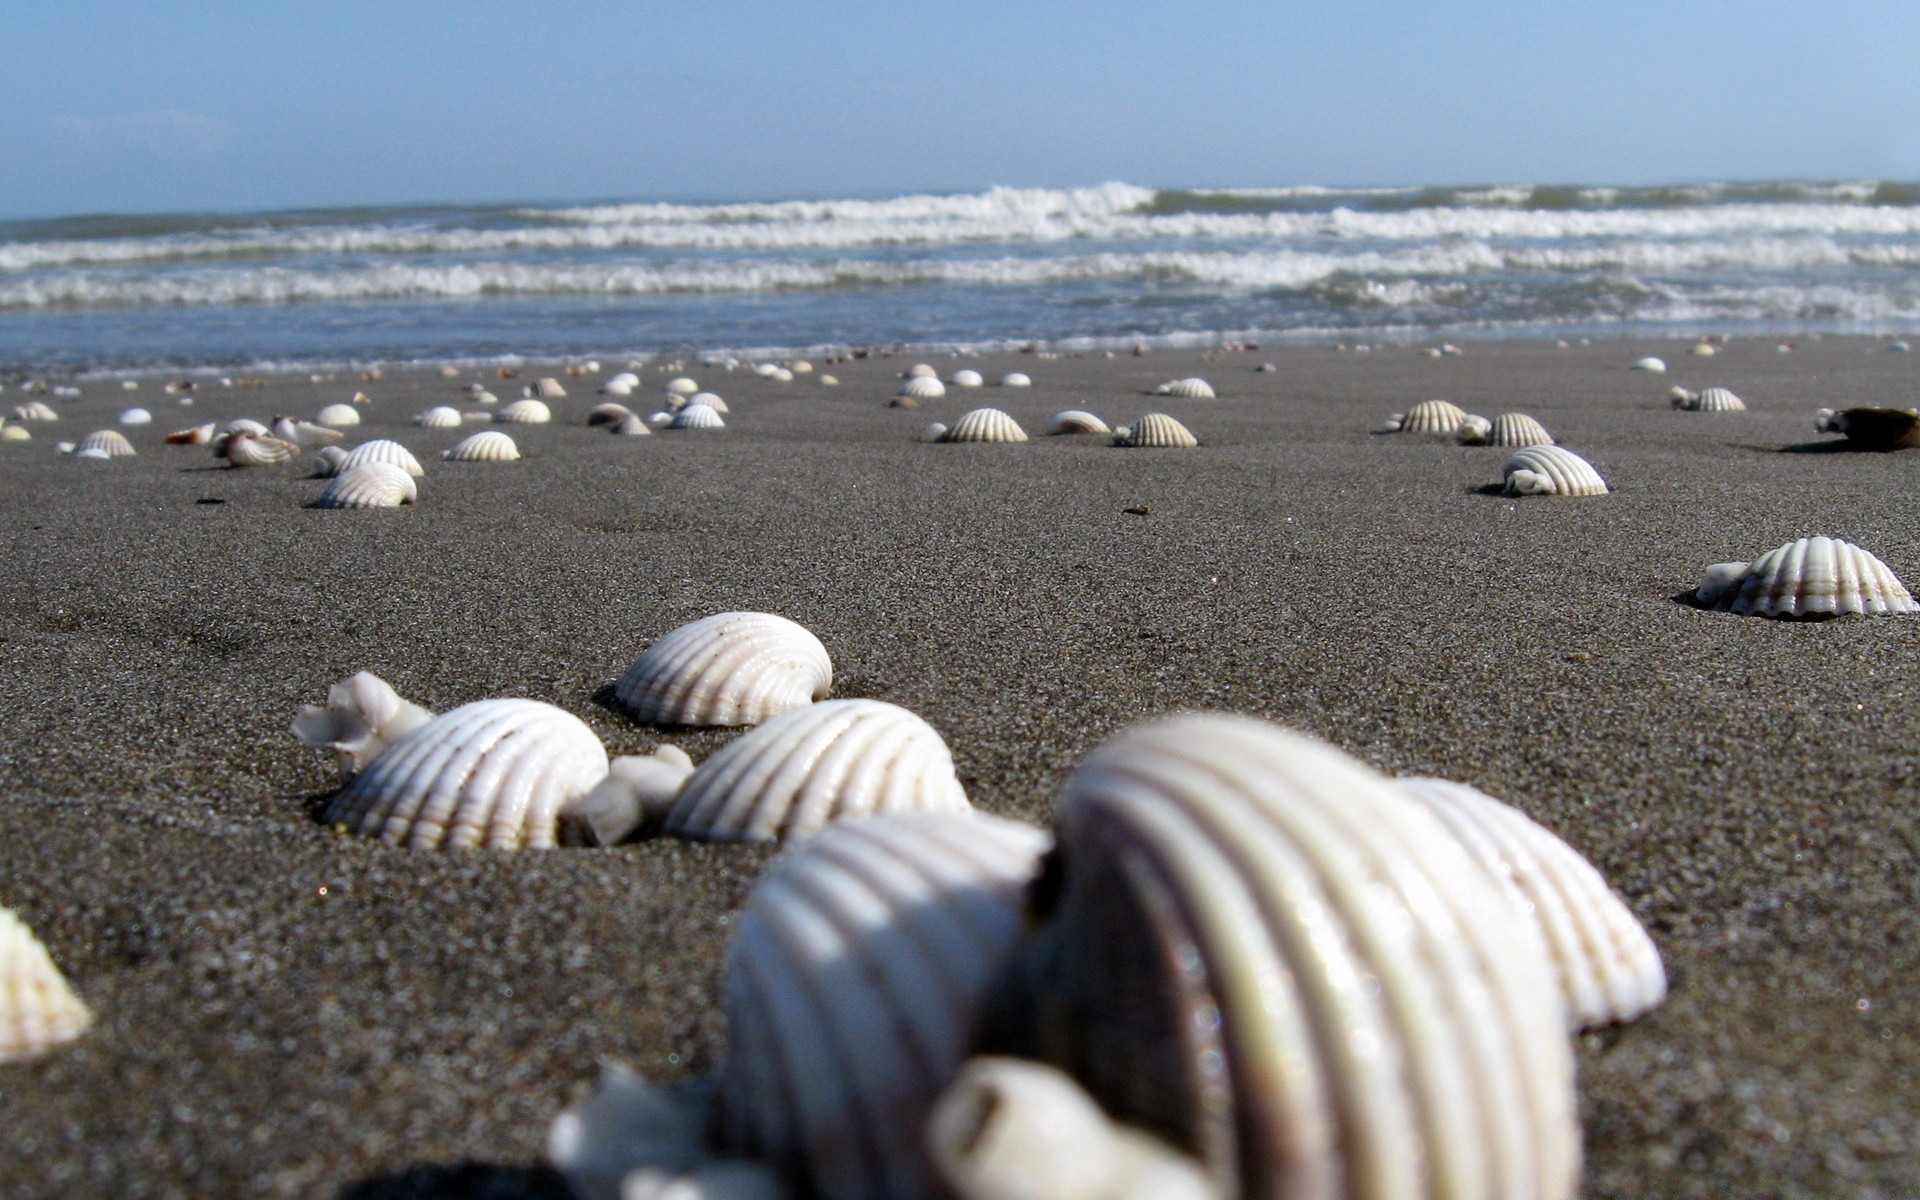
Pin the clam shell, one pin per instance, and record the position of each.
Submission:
(15, 433)
(1074, 420)
(922, 371)
(550, 389)
(38, 1011)
(369, 485)
(110, 442)
(305, 433)
(1016, 379)
(489, 446)
(710, 400)
(608, 414)
(857, 974)
(1262, 951)
(440, 417)
(91, 452)
(682, 386)
(136, 416)
(247, 425)
(633, 799)
(338, 414)
(1551, 471)
(923, 387)
(733, 668)
(1873, 428)
(831, 761)
(1607, 966)
(1716, 399)
(1810, 579)
(35, 410)
(934, 432)
(491, 774)
(524, 412)
(1435, 418)
(1518, 430)
(965, 377)
(1157, 431)
(1193, 388)
(697, 416)
(985, 425)
(381, 450)
(1652, 364)
(328, 461)
(632, 425)
(363, 715)
(198, 435)
(257, 450)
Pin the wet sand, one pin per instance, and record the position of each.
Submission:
(285, 1011)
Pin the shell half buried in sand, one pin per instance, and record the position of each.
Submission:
(711, 400)
(1075, 420)
(1713, 399)
(35, 410)
(1551, 471)
(108, 442)
(1434, 418)
(1194, 388)
(697, 416)
(382, 450)
(733, 668)
(258, 450)
(966, 377)
(682, 386)
(363, 715)
(440, 417)
(631, 425)
(1157, 431)
(490, 446)
(984, 425)
(922, 387)
(1809, 579)
(1016, 379)
(831, 761)
(38, 1010)
(1512, 430)
(369, 485)
(337, 415)
(524, 412)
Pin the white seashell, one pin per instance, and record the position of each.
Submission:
(633, 425)
(489, 446)
(660, 420)
(524, 412)
(198, 435)
(15, 433)
(89, 452)
(242, 425)
(830, 761)
(1266, 368)
(362, 398)
(363, 715)
(632, 801)
(859, 969)
(381, 450)
(369, 485)
(633, 1141)
(1651, 364)
(1074, 420)
(136, 416)
(1607, 966)
(966, 377)
(733, 668)
(110, 442)
(549, 389)
(676, 403)
(618, 386)
(1714, 399)
(985, 425)
(338, 414)
(625, 379)
(35, 410)
(483, 396)
(1435, 418)
(440, 417)
(921, 371)
(829, 381)
(1157, 431)
(923, 387)
(38, 1011)
(130, 385)
(472, 415)
(800, 366)
(305, 433)
(258, 450)
(1518, 430)
(1474, 430)
(1259, 949)
(1015, 379)
(328, 461)
(1704, 349)
(935, 432)
(1194, 388)
(494, 773)
(682, 386)
(608, 414)
(1810, 579)
(1681, 397)
(1551, 471)
(449, 371)
(697, 416)
(710, 400)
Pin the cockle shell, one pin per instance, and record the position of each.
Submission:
(965, 377)
(923, 387)
(1517, 430)
(1157, 431)
(733, 668)
(1259, 949)
(136, 416)
(258, 450)
(1713, 399)
(633, 425)
(856, 978)
(338, 414)
(363, 715)
(1192, 388)
(38, 1011)
(1872, 428)
(631, 1140)
(198, 435)
(608, 414)
(490, 446)
(710, 400)
(328, 460)
(492, 774)
(524, 412)
(922, 371)
(369, 485)
(1435, 418)
(111, 442)
(633, 800)
(1551, 471)
(1016, 379)
(1652, 364)
(549, 388)
(243, 425)
(35, 410)
(305, 433)
(383, 450)
(697, 416)
(1074, 420)
(985, 425)
(1810, 579)
(440, 417)
(682, 386)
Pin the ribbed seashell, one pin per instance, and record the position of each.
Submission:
(858, 973)
(490, 446)
(965, 377)
(1074, 420)
(830, 761)
(35, 410)
(38, 1011)
(732, 668)
(922, 371)
(1192, 388)
(985, 425)
(362, 398)
(608, 414)
(524, 412)
(1016, 379)
(111, 442)
(633, 425)
(440, 417)
(1259, 949)
(1157, 431)
(1607, 966)
(711, 400)
(305, 433)
(697, 416)
(1551, 471)
(15, 433)
(328, 460)
(1657, 366)
(1713, 399)
(363, 715)
(682, 386)
(338, 415)
(1474, 430)
(136, 416)
(660, 420)
(494, 773)
(1518, 430)
(631, 1140)
(1435, 418)
(383, 450)
(675, 403)
(923, 387)
(549, 388)
(198, 435)
(1808, 579)
(369, 485)
(258, 450)
(242, 425)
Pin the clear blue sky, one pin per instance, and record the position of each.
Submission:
(210, 105)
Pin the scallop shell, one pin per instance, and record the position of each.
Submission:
(710, 400)
(136, 416)
(1193, 388)
(524, 412)
(38, 1011)
(338, 414)
(985, 425)
(1811, 578)
(1435, 418)
(198, 435)
(857, 974)
(1262, 951)
(256, 450)
(733, 668)
(683, 386)
(1074, 420)
(1873, 428)
(1518, 430)
(1713, 399)
(328, 461)
(923, 387)
(440, 417)
(244, 425)
(35, 410)
(922, 371)
(697, 416)
(1607, 966)
(111, 442)
(369, 485)
(494, 773)
(1551, 471)
(382, 450)
(363, 715)
(550, 389)
(633, 425)
(1157, 431)
(489, 446)
(608, 414)
(1652, 364)
(1016, 379)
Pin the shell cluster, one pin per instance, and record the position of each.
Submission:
(1809, 579)
(1434, 418)
(1551, 471)
(487, 446)
(1713, 399)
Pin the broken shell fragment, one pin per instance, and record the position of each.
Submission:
(383, 450)
(1474, 430)
(38, 1010)
(489, 446)
(440, 417)
(985, 425)
(1194, 388)
(1551, 471)
(338, 415)
(1809, 579)
(524, 412)
(369, 485)
(733, 668)
(966, 377)
(923, 387)
(632, 425)
(363, 715)
(632, 801)
(1157, 431)
(110, 442)
(631, 1140)
(198, 435)
(258, 450)
(1074, 420)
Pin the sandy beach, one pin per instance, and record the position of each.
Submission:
(287, 1011)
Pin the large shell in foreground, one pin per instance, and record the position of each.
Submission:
(382, 450)
(1551, 471)
(524, 412)
(711, 400)
(985, 425)
(857, 975)
(1607, 966)
(258, 450)
(965, 377)
(440, 417)
(110, 442)
(1157, 431)
(488, 446)
(363, 715)
(1435, 418)
(338, 415)
(1074, 420)
(1808, 579)
(369, 485)
(923, 387)
(733, 668)
(1873, 428)
(491, 774)
(1194, 388)
(38, 1011)
(1259, 949)
(1517, 430)
(831, 761)
(697, 416)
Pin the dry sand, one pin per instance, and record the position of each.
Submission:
(287, 1011)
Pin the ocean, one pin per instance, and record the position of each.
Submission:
(1078, 268)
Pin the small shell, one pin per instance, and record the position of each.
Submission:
(369, 485)
(35, 410)
(328, 461)
(633, 800)
(633, 425)
(608, 414)
(733, 668)
(683, 386)
(243, 425)
(697, 416)
(1518, 430)
(1704, 349)
(38, 1011)
(256, 450)
(550, 389)
(198, 435)
(494, 773)
(660, 420)
(923, 387)
(1809, 579)
(966, 377)
(922, 371)
(710, 400)
(363, 715)
(524, 412)
(1015, 379)
(829, 381)
(338, 415)
(1873, 428)
(1157, 431)
(362, 398)
(1474, 430)
(1651, 364)
(1713, 399)
(15, 433)
(382, 450)
(111, 442)
(1193, 388)
(1434, 418)
(306, 433)
(440, 417)
(483, 396)
(1551, 471)
(490, 446)
(1074, 420)
(934, 432)
(136, 416)
(985, 425)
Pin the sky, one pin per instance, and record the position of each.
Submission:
(215, 106)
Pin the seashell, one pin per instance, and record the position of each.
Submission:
(631, 1140)
(1474, 430)
(110, 442)
(257, 450)
(489, 446)
(682, 386)
(1266, 368)
(1808, 579)
(859, 968)
(800, 366)
(608, 414)
(35, 410)
(91, 452)
(363, 715)
(781, 375)
(305, 433)
(1607, 966)
(830, 761)
(625, 379)
(242, 425)
(328, 461)
(1194, 388)
(903, 402)
(1157, 431)
(1651, 364)
(829, 381)
(921, 371)
(15, 433)
(1259, 949)
(934, 432)
(1015, 379)
(369, 485)
(549, 389)
(633, 425)
(361, 398)
(1517, 430)
(1435, 418)
(491, 774)
(524, 412)
(198, 435)
(449, 371)
(985, 425)
(711, 401)
(440, 417)
(923, 387)
(633, 800)
(965, 377)
(38, 1011)
(1074, 420)
(676, 403)
(766, 370)
(1551, 471)
(136, 416)
(381, 450)
(1009, 1129)
(338, 415)
(733, 668)
(619, 386)
(660, 420)
(697, 416)
(1872, 428)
